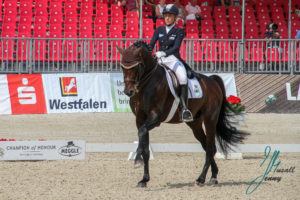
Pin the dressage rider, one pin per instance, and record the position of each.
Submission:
(170, 38)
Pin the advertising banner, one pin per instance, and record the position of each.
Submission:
(121, 101)
(229, 82)
(42, 150)
(68, 93)
(5, 107)
(26, 94)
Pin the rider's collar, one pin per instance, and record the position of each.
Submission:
(168, 28)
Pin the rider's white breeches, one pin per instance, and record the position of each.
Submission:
(174, 64)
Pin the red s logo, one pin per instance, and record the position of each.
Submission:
(26, 94)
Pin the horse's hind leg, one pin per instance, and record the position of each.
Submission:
(208, 144)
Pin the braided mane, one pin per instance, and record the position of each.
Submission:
(141, 43)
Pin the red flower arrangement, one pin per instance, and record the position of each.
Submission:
(235, 103)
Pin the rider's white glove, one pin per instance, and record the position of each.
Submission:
(160, 54)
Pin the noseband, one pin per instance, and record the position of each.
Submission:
(140, 79)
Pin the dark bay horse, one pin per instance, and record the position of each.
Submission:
(151, 100)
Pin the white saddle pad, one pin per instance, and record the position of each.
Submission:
(195, 91)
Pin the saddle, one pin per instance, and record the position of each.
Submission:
(194, 91)
(174, 78)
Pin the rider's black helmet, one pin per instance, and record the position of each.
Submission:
(171, 9)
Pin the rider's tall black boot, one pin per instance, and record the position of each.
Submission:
(186, 115)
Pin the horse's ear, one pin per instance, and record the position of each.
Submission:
(120, 49)
(138, 52)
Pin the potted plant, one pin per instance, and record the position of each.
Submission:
(238, 113)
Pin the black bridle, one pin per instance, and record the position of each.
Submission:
(141, 78)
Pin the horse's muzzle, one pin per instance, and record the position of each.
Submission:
(130, 92)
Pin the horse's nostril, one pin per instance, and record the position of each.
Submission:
(129, 92)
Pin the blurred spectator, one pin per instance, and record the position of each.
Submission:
(251, 1)
(297, 12)
(298, 35)
(159, 9)
(204, 2)
(272, 34)
(182, 12)
(131, 5)
(227, 3)
(193, 10)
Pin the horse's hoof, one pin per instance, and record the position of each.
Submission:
(138, 163)
(197, 183)
(213, 181)
(141, 185)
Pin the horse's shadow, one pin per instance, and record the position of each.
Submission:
(192, 184)
(180, 185)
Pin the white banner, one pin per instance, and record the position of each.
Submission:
(229, 82)
(120, 100)
(67, 93)
(5, 105)
(42, 150)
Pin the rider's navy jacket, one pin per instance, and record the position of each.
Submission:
(168, 43)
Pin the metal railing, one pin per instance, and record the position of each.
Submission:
(61, 55)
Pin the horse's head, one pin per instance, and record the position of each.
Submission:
(134, 62)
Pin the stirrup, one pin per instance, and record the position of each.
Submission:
(189, 116)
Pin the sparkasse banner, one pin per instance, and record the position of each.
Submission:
(26, 93)
(68, 93)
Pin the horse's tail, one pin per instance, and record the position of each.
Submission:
(227, 135)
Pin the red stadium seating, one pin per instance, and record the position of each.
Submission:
(206, 22)
(132, 15)
(257, 55)
(233, 10)
(132, 35)
(70, 47)
(226, 54)
(101, 51)
(147, 15)
(272, 55)
(115, 55)
(25, 8)
(147, 8)
(221, 22)
(160, 22)
(55, 5)
(7, 45)
(102, 7)
(207, 36)
(148, 22)
(102, 19)
(210, 51)
(55, 19)
(55, 48)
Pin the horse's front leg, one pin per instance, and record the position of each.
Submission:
(143, 147)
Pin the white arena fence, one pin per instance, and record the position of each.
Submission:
(74, 55)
